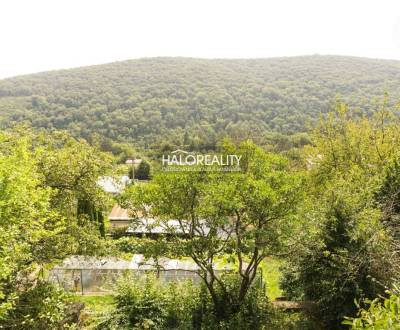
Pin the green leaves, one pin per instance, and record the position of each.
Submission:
(349, 254)
(379, 314)
(239, 216)
(24, 214)
(42, 177)
(194, 102)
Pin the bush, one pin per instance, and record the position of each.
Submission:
(283, 320)
(144, 303)
(143, 171)
(347, 260)
(252, 313)
(382, 314)
(44, 306)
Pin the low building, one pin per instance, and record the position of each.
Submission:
(139, 224)
(119, 217)
(96, 275)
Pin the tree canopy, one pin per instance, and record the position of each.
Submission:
(195, 102)
(43, 180)
(242, 216)
(351, 249)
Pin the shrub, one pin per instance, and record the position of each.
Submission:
(147, 304)
(143, 171)
(144, 303)
(284, 320)
(382, 314)
(252, 313)
(44, 306)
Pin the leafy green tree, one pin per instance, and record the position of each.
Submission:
(241, 217)
(72, 168)
(43, 306)
(26, 219)
(348, 253)
(86, 208)
(41, 182)
(143, 171)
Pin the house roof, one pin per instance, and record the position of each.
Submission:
(142, 224)
(133, 161)
(113, 185)
(119, 213)
(151, 226)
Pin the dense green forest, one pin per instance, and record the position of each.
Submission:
(185, 101)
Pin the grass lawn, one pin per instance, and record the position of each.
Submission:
(97, 304)
(271, 276)
(95, 307)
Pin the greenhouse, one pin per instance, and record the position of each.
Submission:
(92, 275)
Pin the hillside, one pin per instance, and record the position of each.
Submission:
(155, 100)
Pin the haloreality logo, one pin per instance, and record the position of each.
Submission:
(181, 160)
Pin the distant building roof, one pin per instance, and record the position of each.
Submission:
(140, 224)
(152, 226)
(133, 161)
(113, 185)
(119, 213)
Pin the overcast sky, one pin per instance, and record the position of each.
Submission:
(53, 34)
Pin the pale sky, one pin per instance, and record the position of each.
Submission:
(40, 35)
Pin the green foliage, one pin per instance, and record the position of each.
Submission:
(143, 171)
(143, 303)
(194, 102)
(86, 208)
(337, 224)
(347, 252)
(242, 216)
(254, 311)
(95, 308)
(72, 168)
(121, 150)
(388, 199)
(380, 314)
(26, 219)
(271, 273)
(42, 178)
(97, 304)
(43, 306)
(284, 320)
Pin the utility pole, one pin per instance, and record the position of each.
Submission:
(133, 169)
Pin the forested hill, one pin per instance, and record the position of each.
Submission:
(159, 99)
